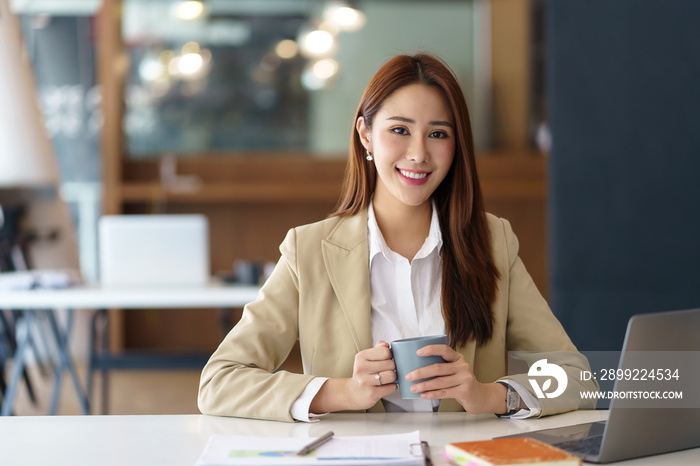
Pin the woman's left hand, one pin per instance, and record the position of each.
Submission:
(455, 379)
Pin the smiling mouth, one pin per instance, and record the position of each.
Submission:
(413, 175)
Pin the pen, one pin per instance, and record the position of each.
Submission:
(315, 444)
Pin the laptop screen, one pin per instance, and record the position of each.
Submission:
(154, 249)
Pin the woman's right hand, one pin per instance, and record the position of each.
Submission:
(362, 390)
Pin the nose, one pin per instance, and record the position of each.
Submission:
(418, 151)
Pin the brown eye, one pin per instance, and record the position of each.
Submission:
(438, 134)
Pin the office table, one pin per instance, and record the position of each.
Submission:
(214, 294)
(41, 303)
(179, 440)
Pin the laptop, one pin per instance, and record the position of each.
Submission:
(153, 250)
(632, 432)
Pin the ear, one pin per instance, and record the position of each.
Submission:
(363, 131)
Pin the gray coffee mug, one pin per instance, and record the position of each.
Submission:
(404, 354)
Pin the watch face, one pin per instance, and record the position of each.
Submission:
(513, 400)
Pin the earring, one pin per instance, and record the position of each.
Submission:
(369, 156)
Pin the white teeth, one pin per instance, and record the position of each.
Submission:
(415, 176)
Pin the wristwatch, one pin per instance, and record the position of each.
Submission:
(512, 400)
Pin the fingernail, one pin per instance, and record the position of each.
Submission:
(414, 389)
(420, 352)
(409, 377)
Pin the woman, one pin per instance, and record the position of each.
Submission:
(409, 251)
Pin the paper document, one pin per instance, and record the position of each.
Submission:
(393, 449)
(31, 279)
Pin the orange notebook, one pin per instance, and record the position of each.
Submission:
(508, 451)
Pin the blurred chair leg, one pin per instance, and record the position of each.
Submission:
(104, 353)
(98, 323)
(38, 355)
(92, 357)
(18, 366)
(65, 363)
(5, 350)
(42, 344)
(3, 384)
(57, 381)
(25, 374)
(28, 382)
(10, 335)
(4, 353)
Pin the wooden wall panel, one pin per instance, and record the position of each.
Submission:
(510, 55)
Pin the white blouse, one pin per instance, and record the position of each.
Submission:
(405, 297)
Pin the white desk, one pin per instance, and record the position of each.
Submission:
(179, 440)
(131, 297)
(40, 303)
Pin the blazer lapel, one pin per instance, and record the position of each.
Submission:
(346, 256)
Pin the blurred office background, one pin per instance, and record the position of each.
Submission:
(584, 116)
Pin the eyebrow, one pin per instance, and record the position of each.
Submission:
(408, 120)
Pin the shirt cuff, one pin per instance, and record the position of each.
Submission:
(300, 407)
(535, 408)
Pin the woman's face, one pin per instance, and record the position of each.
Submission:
(412, 141)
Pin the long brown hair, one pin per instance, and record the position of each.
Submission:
(469, 275)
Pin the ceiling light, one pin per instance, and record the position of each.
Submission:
(151, 69)
(189, 10)
(325, 69)
(190, 47)
(286, 49)
(190, 63)
(317, 43)
(347, 18)
(320, 74)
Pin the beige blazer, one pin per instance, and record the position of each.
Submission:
(319, 294)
